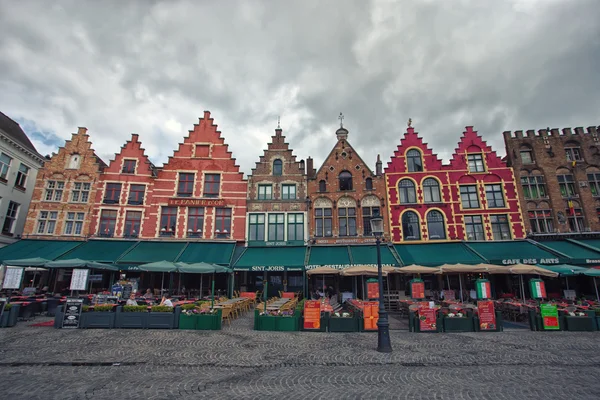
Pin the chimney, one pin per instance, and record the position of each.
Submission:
(309, 167)
(378, 166)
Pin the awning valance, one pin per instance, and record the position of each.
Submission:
(105, 251)
(515, 252)
(271, 259)
(434, 254)
(148, 252)
(29, 248)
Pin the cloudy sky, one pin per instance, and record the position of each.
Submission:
(153, 67)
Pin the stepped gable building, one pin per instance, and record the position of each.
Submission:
(200, 192)
(65, 190)
(559, 172)
(277, 197)
(124, 190)
(474, 197)
(19, 165)
(344, 194)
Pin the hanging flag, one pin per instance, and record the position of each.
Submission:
(573, 163)
(571, 207)
(538, 288)
(483, 289)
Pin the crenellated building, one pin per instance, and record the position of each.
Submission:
(559, 172)
(344, 195)
(474, 197)
(200, 192)
(65, 191)
(124, 190)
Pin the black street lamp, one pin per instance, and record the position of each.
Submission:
(383, 326)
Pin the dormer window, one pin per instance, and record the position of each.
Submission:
(345, 179)
(129, 167)
(414, 161)
(475, 162)
(74, 161)
(277, 168)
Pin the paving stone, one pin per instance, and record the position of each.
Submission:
(237, 362)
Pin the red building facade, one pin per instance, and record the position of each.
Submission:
(200, 192)
(474, 197)
(124, 189)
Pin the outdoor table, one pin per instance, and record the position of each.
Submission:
(276, 305)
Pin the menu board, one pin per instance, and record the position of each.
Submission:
(417, 289)
(2, 305)
(312, 314)
(372, 289)
(427, 321)
(72, 313)
(79, 279)
(12, 278)
(370, 315)
(549, 317)
(127, 289)
(487, 315)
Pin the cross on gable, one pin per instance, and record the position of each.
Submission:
(341, 118)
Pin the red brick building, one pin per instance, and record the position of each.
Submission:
(344, 194)
(124, 189)
(200, 192)
(474, 197)
(65, 190)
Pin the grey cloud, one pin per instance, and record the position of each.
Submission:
(138, 66)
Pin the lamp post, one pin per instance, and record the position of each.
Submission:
(383, 326)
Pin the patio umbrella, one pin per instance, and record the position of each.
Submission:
(27, 262)
(417, 269)
(359, 270)
(565, 270)
(524, 269)
(323, 271)
(79, 263)
(594, 273)
(159, 266)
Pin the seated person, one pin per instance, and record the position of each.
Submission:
(148, 294)
(131, 301)
(166, 301)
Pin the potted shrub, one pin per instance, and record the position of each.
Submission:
(100, 316)
(343, 322)
(131, 317)
(161, 317)
(9, 317)
(458, 322)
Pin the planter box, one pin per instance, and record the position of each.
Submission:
(580, 324)
(188, 322)
(131, 320)
(97, 320)
(208, 322)
(9, 318)
(271, 323)
(161, 320)
(456, 324)
(343, 324)
(598, 323)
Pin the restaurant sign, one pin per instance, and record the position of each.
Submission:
(345, 241)
(344, 266)
(269, 268)
(72, 313)
(531, 261)
(587, 261)
(197, 202)
(549, 317)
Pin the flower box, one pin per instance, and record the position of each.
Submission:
(9, 317)
(458, 324)
(128, 318)
(188, 322)
(209, 322)
(97, 320)
(276, 323)
(161, 320)
(580, 323)
(343, 324)
(287, 324)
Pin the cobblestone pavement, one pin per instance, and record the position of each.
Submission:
(238, 363)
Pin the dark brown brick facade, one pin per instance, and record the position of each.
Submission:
(550, 156)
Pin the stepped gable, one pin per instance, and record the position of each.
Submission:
(410, 140)
(471, 142)
(278, 146)
(132, 150)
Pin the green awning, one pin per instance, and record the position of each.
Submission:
(515, 252)
(329, 256)
(30, 248)
(564, 269)
(595, 243)
(434, 254)
(592, 272)
(159, 266)
(271, 259)
(367, 255)
(215, 253)
(201, 268)
(107, 251)
(27, 262)
(579, 254)
(148, 252)
(79, 263)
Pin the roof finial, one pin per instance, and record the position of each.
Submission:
(278, 121)
(341, 118)
(409, 122)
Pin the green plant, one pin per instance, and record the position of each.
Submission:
(7, 307)
(186, 307)
(103, 308)
(300, 305)
(162, 309)
(135, 308)
(202, 302)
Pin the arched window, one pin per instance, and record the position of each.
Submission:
(277, 168)
(322, 186)
(408, 194)
(369, 183)
(431, 191)
(345, 178)
(410, 226)
(413, 160)
(435, 225)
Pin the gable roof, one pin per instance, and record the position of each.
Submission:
(14, 131)
(330, 155)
